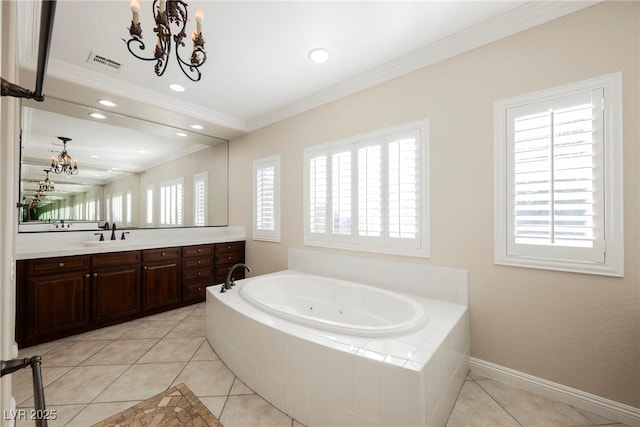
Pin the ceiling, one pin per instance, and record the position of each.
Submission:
(257, 70)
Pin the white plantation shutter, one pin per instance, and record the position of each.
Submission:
(149, 218)
(116, 208)
(555, 179)
(266, 199)
(129, 208)
(370, 191)
(171, 203)
(341, 193)
(200, 199)
(369, 188)
(317, 199)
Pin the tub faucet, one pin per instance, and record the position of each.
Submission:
(230, 281)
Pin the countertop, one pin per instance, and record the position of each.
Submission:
(56, 244)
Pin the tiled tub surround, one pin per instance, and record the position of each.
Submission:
(67, 243)
(326, 378)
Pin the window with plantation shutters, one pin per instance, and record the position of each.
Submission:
(116, 208)
(171, 203)
(369, 192)
(129, 208)
(266, 199)
(558, 178)
(149, 210)
(200, 199)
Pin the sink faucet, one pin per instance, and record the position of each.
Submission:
(230, 281)
(113, 231)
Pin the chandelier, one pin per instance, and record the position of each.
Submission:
(169, 14)
(47, 184)
(64, 162)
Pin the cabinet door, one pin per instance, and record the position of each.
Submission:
(161, 284)
(116, 292)
(57, 303)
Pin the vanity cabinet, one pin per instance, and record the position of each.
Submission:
(62, 296)
(197, 271)
(54, 299)
(228, 254)
(160, 277)
(115, 285)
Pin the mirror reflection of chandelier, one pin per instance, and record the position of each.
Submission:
(171, 18)
(46, 184)
(64, 163)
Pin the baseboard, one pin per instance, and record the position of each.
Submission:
(613, 410)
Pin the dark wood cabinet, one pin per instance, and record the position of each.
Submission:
(115, 285)
(160, 278)
(197, 271)
(62, 296)
(57, 293)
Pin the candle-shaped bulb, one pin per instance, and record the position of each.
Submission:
(163, 5)
(135, 9)
(199, 17)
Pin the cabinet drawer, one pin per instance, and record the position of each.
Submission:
(58, 265)
(198, 274)
(223, 248)
(197, 262)
(150, 255)
(116, 258)
(193, 292)
(229, 258)
(198, 250)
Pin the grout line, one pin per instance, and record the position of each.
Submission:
(496, 400)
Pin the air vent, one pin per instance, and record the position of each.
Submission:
(104, 62)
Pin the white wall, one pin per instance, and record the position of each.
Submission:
(579, 330)
(212, 160)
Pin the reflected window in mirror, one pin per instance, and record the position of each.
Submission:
(200, 199)
(172, 203)
(129, 208)
(149, 216)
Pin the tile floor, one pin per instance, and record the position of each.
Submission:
(91, 376)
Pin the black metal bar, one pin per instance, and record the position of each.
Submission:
(38, 392)
(47, 16)
(46, 30)
(9, 366)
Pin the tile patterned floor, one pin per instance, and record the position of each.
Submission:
(91, 376)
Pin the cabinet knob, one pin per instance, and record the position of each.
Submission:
(228, 246)
(162, 254)
(198, 274)
(228, 257)
(61, 264)
(95, 274)
(87, 276)
(145, 267)
(199, 262)
(199, 250)
(200, 289)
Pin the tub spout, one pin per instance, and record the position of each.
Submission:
(230, 281)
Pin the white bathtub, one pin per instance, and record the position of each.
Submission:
(324, 375)
(335, 305)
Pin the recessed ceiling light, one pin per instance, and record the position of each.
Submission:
(142, 151)
(181, 134)
(98, 116)
(176, 87)
(94, 156)
(106, 103)
(197, 127)
(319, 55)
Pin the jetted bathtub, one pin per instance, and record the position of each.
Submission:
(334, 352)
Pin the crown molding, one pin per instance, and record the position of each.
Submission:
(512, 22)
(28, 17)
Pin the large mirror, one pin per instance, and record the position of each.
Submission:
(131, 172)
